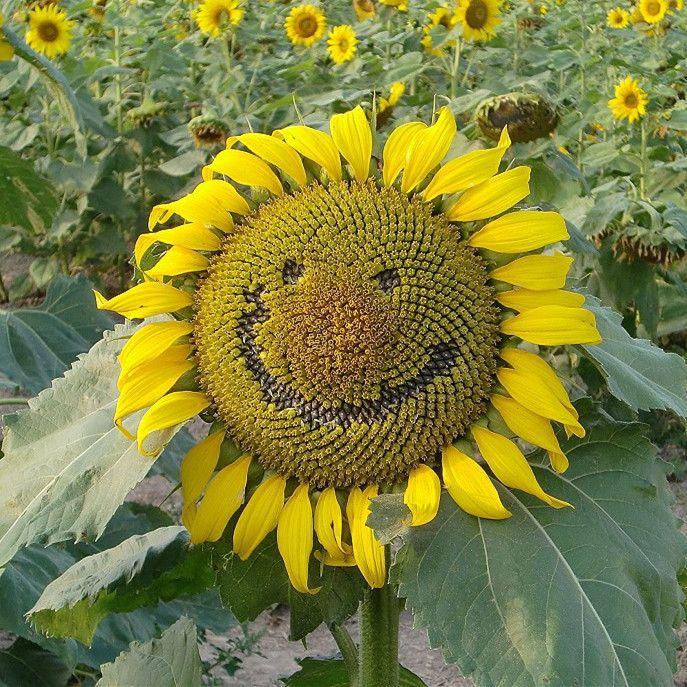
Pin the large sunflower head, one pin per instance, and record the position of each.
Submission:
(630, 100)
(618, 18)
(6, 50)
(50, 31)
(442, 16)
(352, 330)
(479, 18)
(653, 11)
(342, 44)
(214, 17)
(305, 25)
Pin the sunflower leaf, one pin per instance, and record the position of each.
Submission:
(169, 661)
(574, 596)
(637, 372)
(66, 467)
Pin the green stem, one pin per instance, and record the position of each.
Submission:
(14, 401)
(643, 161)
(455, 66)
(349, 651)
(117, 59)
(379, 614)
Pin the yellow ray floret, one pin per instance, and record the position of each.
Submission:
(329, 529)
(369, 554)
(150, 341)
(353, 137)
(274, 151)
(526, 299)
(145, 300)
(422, 494)
(191, 236)
(396, 148)
(244, 168)
(520, 232)
(314, 145)
(197, 469)
(553, 325)
(535, 272)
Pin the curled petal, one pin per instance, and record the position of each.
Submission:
(328, 526)
(178, 260)
(244, 168)
(316, 146)
(369, 554)
(422, 494)
(353, 137)
(193, 236)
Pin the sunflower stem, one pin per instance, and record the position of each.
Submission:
(643, 160)
(455, 66)
(349, 651)
(379, 614)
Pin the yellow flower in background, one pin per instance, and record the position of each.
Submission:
(653, 11)
(543, 10)
(630, 100)
(6, 50)
(305, 25)
(214, 17)
(675, 6)
(442, 16)
(364, 9)
(341, 44)
(395, 92)
(479, 18)
(50, 31)
(400, 5)
(296, 329)
(618, 18)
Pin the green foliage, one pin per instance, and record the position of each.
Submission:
(169, 661)
(38, 344)
(581, 595)
(24, 663)
(332, 673)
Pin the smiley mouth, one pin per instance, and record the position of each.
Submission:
(441, 359)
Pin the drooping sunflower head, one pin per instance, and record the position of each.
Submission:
(479, 18)
(653, 11)
(345, 327)
(6, 50)
(214, 17)
(527, 116)
(305, 25)
(50, 31)
(342, 44)
(630, 100)
(618, 18)
(442, 16)
(208, 131)
(364, 9)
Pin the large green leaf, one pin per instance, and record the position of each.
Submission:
(38, 344)
(140, 571)
(66, 466)
(24, 664)
(171, 661)
(583, 596)
(637, 372)
(28, 200)
(249, 587)
(332, 672)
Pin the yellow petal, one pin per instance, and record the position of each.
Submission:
(210, 203)
(422, 494)
(492, 197)
(169, 411)
(151, 381)
(529, 426)
(510, 466)
(295, 538)
(368, 552)
(315, 145)
(328, 526)
(526, 299)
(178, 260)
(467, 170)
(196, 470)
(553, 325)
(222, 499)
(535, 272)
(145, 300)
(353, 137)
(428, 149)
(193, 236)
(470, 487)
(150, 341)
(260, 516)
(244, 168)
(520, 232)
(276, 152)
(396, 149)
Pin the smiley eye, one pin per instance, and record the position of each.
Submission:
(291, 272)
(388, 279)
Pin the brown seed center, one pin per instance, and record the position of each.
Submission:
(477, 14)
(48, 32)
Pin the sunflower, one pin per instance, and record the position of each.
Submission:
(479, 18)
(386, 105)
(50, 31)
(305, 25)
(400, 5)
(653, 11)
(353, 331)
(341, 44)
(6, 50)
(618, 18)
(442, 16)
(630, 100)
(214, 17)
(364, 9)
(675, 6)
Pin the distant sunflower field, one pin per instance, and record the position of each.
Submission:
(353, 311)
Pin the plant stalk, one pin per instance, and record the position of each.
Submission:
(379, 615)
(455, 66)
(643, 161)
(349, 652)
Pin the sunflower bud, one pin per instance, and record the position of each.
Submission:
(528, 117)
